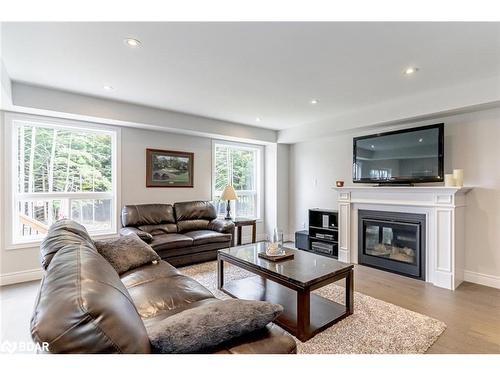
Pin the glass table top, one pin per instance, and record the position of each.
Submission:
(305, 267)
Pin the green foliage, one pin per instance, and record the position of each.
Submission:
(60, 160)
(234, 167)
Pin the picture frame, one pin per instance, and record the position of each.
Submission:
(169, 169)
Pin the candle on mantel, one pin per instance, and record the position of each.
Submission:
(449, 180)
(458, 175)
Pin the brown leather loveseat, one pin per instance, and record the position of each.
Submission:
(84, 306)
(181, 234)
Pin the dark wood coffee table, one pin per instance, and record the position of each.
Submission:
(290, 283)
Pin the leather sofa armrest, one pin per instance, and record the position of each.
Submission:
(145, 236)
(221, 226)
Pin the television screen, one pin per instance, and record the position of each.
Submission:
(404, 156)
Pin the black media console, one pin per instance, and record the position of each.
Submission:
(323, 235)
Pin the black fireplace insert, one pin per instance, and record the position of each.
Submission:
(392, 241)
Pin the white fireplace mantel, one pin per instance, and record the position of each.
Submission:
(444, 208)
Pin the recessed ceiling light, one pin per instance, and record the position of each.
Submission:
(372, 146)
(258, 119)
(421, 140)
(314, 101)
(131, 42)
(108, 88)
(411, 70)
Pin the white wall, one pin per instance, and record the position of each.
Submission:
(133, 182)
(282, 177)
(472, 142)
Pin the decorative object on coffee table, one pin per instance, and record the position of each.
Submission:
(274, 246)
(166, 168)
(229, 194)
(290, 284)
(277, 258)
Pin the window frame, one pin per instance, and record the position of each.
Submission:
(11, 196)
(259, 175)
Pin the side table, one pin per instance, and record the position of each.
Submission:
(240, 222)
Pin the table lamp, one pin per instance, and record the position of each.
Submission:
(228, 195)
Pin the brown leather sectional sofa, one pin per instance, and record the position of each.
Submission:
(84, 306)
(182, 233)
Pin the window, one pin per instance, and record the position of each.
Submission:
(62, 171)
(239, 165)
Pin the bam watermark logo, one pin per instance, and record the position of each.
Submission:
(23, 347)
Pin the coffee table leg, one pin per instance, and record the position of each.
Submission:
(303, 314)
(220, 273)
(349, 292)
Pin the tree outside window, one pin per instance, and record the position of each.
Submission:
(237, 165)
(62, 172)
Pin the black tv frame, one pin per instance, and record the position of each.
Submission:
(404, 181)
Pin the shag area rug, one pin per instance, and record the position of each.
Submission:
(376, 327)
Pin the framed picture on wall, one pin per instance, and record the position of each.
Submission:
(166, 168)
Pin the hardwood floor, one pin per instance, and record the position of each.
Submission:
(472, 312)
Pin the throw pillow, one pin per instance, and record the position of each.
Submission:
(126, 252)
(209, 325)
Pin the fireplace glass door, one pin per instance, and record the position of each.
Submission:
(391, 240)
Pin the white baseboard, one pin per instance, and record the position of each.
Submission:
(481, 278)
(20, 276)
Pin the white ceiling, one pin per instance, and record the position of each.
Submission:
(240, 71)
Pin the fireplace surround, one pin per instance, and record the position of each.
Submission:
(444, 211)
(392, 241)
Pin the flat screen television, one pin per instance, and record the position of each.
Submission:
(400, 157)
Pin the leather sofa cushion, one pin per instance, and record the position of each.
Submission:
(156, 289)
(201, 237)
(270, 340)
(189, 225)
(170, 241)
(157, 229)
(194, 210)
(192, 254)
(145, 236)
(147, 214)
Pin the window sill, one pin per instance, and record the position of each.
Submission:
(37, 243)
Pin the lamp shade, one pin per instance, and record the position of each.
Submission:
(229, 194)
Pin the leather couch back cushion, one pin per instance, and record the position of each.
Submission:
(158, 229)
(189, 225)
(147, 214)
(195, 210)
(62, 233)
